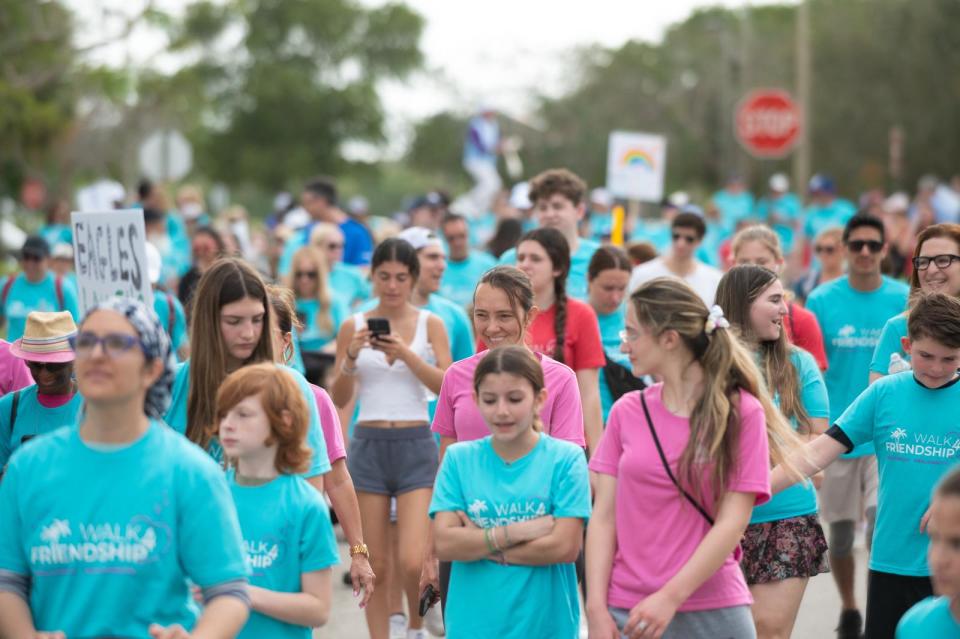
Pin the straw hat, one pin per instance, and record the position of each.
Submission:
(46, 338)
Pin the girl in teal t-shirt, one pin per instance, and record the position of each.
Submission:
(784, 544)
(107, 526)
(321, 309)
(287, 534)
(509, 512)
(608, 277)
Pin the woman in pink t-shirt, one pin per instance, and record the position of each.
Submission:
(661, 558)
(565, 329)
(503, 309)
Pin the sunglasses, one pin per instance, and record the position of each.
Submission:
(942, 261)
(114, 344)
(53, 367)
(857, 245)
(333, 246)
(825, 250)
(308, 274)
(689, 239)
(32, 257)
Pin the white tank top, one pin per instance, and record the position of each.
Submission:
(391, 392)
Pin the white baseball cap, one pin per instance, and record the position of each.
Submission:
(154, 263)
(520, 196)
(601, 196)
(420, 237)
(779, 183)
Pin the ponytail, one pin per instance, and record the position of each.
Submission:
(560, 317)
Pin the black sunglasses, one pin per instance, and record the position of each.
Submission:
(857, 245)
(689, 239)
(310, 274)
(53, 367)
(32, 257)
(942, 261)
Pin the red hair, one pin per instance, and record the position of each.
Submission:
(282, 401)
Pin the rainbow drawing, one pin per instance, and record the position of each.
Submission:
(637, 158)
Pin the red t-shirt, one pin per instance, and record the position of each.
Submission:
(803, 330)
(582, 347)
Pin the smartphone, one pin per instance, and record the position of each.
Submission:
(427, 599)
(378, 326)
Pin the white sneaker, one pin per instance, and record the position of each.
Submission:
(419, 633)
(398, 626)
(434, 621)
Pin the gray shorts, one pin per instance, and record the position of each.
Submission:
(392, 461)
(735, 622)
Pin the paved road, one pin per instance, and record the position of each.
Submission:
(817, 619)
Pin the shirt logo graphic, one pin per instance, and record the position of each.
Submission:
(119, 546)
(930, 448)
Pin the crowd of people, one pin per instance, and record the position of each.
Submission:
(511, 417)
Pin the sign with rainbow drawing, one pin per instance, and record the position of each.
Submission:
(636, 165)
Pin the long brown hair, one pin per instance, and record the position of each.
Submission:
(664, 304)
(738, 290)
(283, 304)
(557, 248)
(515, 360)
(229, 279)
(282, 400)
(324, 317)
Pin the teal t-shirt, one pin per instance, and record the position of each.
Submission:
(24, 297)
(927, 619)
(914, 430)
(550, 480)
(579, 261)
(733, 208)
(820, 218)
(787, 208)
(657, 232)
(111, 541)
(601, 225)
(163, 302)
(57, 234)
(311, 336)
(286, 532)
(851, 322)
(610, 327)
(460, 279)
(800, 499)
(176, 417)
(32, 419)
(349, 284)
(893, 331)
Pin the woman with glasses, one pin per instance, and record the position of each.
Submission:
(351, 283)
(828, 248)
(936, 269)
(52, 401)
(760, 245)
(98, 543)
(320, 307)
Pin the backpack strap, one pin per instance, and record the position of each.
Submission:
(13, 409)
(58, 285)
(6, 292)
(171, 315)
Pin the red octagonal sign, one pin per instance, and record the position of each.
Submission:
(768, 123)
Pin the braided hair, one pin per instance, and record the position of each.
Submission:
(558, 250)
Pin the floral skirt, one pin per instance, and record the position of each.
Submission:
(785, 548)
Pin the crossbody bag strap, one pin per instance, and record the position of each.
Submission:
(666, 466)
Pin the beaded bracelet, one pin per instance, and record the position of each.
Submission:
(490, 544)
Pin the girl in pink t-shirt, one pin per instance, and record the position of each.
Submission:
(661, 559)
(565, 329)
(502, 312)
(337, 484)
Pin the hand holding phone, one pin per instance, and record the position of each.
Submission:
(428, 598)
(378, 326)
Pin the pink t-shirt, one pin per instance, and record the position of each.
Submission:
(14, 373)
(329, 424)
(457, 414)
(657, 529)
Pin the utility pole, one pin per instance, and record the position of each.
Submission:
(803, 72)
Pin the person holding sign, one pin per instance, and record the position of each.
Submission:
(34, 288)
(107, 526)
(52, 401)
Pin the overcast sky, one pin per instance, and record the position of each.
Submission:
(497, 52)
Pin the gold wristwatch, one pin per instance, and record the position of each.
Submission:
(360, 549)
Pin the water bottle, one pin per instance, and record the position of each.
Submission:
(898, 364)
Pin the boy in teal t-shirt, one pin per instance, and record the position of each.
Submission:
(464, 266)
(940, 616)
(35, 289)
(910, 417)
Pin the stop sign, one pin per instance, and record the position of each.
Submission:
(768, 123)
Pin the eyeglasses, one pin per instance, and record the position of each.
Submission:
(943, 262)
(857, 245)
(689, 239)
(825, 250)
(334, 246)
(309, 274)
(628, 335)
(114, 344)
(53, 367)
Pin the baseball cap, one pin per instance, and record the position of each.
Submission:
(35, 246)
(154, 263)
(62, 251)
(821, 183)
(520, 196)
(779, 183)
(601, 196)
(420, 237)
